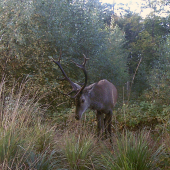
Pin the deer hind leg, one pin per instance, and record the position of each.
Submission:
(100, 124)
(108, 123)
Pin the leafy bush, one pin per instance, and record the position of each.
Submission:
(142, 114)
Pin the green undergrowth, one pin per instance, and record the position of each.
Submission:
(143, 115)
(132, 151)
(30, 141)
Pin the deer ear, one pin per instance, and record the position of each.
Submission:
(90, 89)
(78, 86)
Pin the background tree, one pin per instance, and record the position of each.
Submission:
(143, 37)
(32, 31)
(159, 77)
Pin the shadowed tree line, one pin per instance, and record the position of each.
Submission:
(121, 49)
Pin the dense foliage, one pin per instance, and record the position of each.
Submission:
(33, 30)
(128, 50)
(131, 51)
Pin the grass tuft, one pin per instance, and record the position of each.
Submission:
(132, 152)
(79, 150)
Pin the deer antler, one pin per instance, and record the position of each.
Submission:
(75, 86)
(85, 73)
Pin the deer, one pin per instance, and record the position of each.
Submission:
(100, 96)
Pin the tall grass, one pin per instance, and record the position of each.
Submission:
(24, 141)
(132, 151)
(30, 142)
(79, 150)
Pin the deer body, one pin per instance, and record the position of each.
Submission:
(100, 96)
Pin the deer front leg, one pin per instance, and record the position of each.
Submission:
(108, 123)
(100, 124)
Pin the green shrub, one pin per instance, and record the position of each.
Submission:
(143, 114)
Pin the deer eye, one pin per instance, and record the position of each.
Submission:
(82, 101)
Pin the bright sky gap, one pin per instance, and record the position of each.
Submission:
(133, 5)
